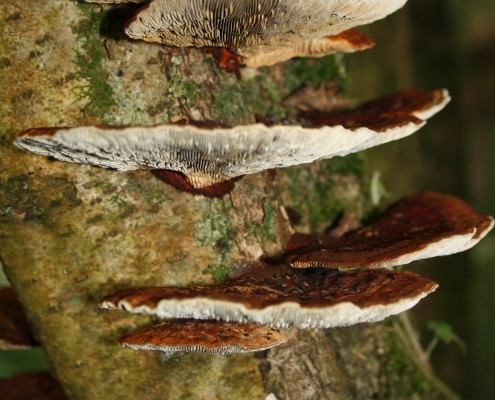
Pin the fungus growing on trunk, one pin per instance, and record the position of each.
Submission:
(15, 333)
(251, 27)
(279, 296)
(215, 337)
(345, 42)
(417, 227)
(210, 154)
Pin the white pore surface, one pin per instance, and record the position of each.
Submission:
(431, 111)
(444, 247)
(220, 154)
(239, 24)
(283, 315)
(223, 350)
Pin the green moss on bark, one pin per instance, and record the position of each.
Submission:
(90, 58)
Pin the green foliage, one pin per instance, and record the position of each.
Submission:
(14, 361)
(445, 333)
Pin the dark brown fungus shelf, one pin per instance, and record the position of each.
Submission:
(278, 296)
(417, 227)
(207, 336)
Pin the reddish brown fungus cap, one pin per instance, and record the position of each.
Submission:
(180, 181)
(397, 109)
(209, 154)
(417, 227)
(279, 296)
(216, 337)
(15, 332)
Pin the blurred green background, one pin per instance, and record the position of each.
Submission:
(432, 44)
(450, 44)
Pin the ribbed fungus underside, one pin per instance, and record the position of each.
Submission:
(249, 27)
(416, 227)
(208, 154)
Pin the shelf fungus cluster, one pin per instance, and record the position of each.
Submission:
(311, 288)
(205, 154)
(280, 296)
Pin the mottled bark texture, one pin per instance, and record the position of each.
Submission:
(70, 234)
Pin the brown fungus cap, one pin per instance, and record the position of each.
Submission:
(345, 42)
(279, 296)
(417, 227)
(249, 27)
(15, 333)
(209, 336)
(209, 154)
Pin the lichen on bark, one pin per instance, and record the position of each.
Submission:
(70, 234)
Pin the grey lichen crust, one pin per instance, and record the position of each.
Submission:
(206, 156)
(248, 26)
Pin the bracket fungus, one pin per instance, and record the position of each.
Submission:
(210, 336)
(208, 154)
(279, 296)
(345, 42)
(250, 27)
(15, 333)
(417, 227)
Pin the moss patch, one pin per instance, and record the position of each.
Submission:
(229, 104)
(302, 71)
(22, 198)
(265, 230)
(90, 57)
(324, 191)
(215, 229)
(187, 90)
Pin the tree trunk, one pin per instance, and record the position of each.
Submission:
(70, 234)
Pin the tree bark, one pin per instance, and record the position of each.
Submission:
(70, 234)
